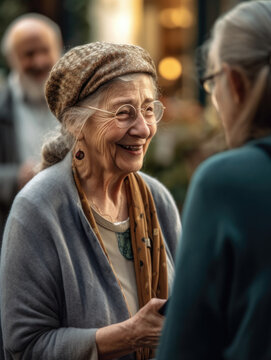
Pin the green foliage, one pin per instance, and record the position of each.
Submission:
(76, 28)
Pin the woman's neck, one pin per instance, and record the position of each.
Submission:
(105, 194)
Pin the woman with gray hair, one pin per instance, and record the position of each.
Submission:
(87, 257)
(220, 306)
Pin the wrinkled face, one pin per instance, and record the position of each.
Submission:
(35, 50)
(114, 150)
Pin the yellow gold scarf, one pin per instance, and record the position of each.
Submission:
(147, 242)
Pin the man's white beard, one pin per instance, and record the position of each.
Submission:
(33, 90)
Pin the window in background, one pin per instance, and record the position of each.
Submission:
(116, 20)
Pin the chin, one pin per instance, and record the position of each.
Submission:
(131, 169)
(33, 87)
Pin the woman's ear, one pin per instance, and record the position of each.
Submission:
(238, 83)
(80, 135)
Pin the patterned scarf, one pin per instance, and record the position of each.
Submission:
(147, 243)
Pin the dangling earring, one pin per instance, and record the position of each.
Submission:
(80, 155)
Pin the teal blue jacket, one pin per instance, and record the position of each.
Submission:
(221, 301)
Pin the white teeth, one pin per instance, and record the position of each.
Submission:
(132, 147)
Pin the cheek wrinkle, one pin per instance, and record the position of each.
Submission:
(100, 142)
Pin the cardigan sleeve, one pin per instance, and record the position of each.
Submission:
(31, 310)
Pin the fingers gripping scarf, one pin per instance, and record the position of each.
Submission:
(147, 243)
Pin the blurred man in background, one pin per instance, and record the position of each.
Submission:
(31, 45)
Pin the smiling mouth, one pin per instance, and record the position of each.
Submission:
(131, 147)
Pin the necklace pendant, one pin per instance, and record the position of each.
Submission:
(125, 244)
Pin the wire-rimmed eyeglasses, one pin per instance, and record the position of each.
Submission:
(207, 82)
(127, 114)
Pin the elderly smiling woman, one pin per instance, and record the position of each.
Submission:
(88, 249)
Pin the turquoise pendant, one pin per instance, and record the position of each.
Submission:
(125, 245)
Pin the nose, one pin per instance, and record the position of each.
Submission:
(40, 60)
(140, 128)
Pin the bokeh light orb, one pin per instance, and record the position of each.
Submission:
(170, 68)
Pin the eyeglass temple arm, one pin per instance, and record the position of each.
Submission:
(108, 112)
(94, 108)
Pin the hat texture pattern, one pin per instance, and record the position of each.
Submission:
(83, 69)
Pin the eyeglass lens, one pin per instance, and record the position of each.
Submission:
(127, 114)
(208, 85)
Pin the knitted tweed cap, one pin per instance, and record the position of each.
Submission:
(83, 69)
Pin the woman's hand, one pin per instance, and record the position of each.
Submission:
(147, 324)
(141, 330)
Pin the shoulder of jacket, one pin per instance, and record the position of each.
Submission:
(154, 184)
(227, 167)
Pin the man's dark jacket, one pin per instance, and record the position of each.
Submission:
(9, 157)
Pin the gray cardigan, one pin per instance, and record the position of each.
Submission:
(57, 286)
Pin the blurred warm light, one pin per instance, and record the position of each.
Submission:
(176, 17)
(116, 20)
(170, 68)
(122, 25)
